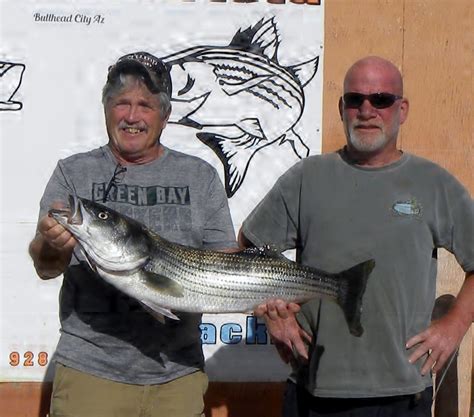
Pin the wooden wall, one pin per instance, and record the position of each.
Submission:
(432, 43)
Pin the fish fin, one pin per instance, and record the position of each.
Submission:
(157, 311)
(299, 147)
(235, 155)
(352, 288)
(305, 71)
(183, 110)
(262, 39)
(252, 127)
(161, 283)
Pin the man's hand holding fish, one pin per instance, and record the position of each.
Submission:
(287, 335)
(52, 249)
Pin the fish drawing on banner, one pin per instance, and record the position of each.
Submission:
(240, 98)
(11, 76)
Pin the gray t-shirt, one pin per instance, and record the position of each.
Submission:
(336, 215)
(103, 331)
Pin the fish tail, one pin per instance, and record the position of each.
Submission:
(351, 291)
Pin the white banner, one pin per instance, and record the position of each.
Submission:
(54, 57)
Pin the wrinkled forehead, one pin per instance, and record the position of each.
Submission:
(373, 77)
(133, 87)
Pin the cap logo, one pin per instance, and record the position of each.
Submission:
(146, 60)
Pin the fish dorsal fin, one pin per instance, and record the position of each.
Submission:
(305, 71)
(234, 153)
(266, 251)
(161, 283)
(262, 38)
(157, 311)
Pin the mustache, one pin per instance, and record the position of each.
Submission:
(139, 125)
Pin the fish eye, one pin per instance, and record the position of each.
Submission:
(103, 215)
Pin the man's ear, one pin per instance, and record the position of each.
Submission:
(341, 107)
(165, 120)
(404, 107)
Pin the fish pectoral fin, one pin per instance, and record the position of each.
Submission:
(299, 147)
(252, 127)
(157, 311)
(162, 284)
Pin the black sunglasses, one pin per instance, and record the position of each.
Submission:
(377, 100)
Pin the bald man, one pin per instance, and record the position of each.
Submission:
(369, 200)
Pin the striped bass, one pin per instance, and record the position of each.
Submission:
(165, 276)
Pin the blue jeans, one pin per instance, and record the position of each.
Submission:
(299, 403)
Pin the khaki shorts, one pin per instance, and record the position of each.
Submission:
(77, 394)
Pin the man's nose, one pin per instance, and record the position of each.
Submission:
(366, 110)
(133, 114)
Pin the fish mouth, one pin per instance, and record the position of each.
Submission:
(70, 215)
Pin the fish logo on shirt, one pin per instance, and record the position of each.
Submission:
(410, 208)
(240, 98)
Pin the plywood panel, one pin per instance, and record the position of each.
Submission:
(438, 69)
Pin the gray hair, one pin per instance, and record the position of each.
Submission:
(114, 87)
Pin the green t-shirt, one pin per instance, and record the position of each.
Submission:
(336, 215)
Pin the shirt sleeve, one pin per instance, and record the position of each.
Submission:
(462, 244)
(57, 190)
(454, 224)
(275, 220)
(218, 228)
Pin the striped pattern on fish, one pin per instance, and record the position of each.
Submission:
(166, 276)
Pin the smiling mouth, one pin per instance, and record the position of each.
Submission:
(133, 130)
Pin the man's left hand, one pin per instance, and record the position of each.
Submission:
(438, 342)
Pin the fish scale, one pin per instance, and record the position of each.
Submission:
(208, 282)
(166, 276)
